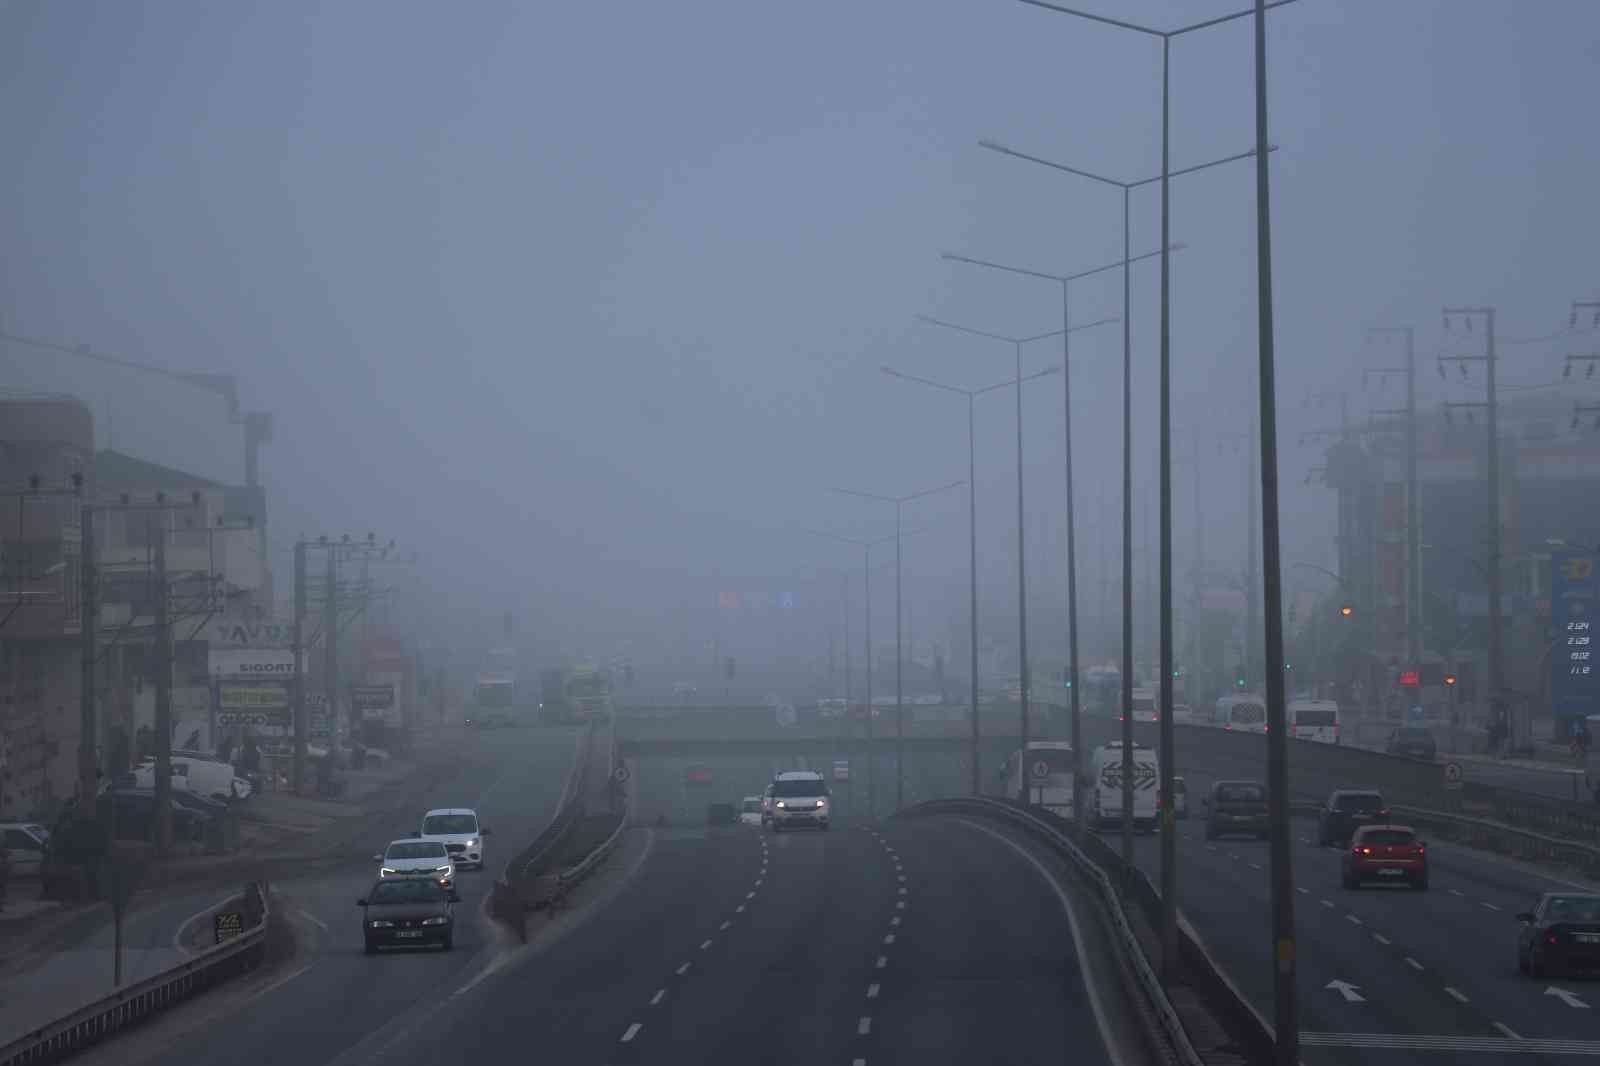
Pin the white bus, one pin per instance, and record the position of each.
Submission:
(1049, 769)
(1316, 720)
(1242, 714)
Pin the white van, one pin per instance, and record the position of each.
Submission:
(1242, 714)
(201, 776)
(1105, 795)
(1144, 705)
(1316, 720)
(1048, 767)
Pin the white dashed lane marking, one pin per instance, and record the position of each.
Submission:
(883, 960)
(749, 895)
(895, 920)
(1457, 892)
(1414, 964)
(657, 997)
(1327, 903)
(704, 944)
(872, 991)
(683, 969)
(1352, 919)
(864, 1026)
(1506, 1031)
(900, 904)
(1303, 891)
(633, 1031)
(1457, 996)
(1380, 938)
(726, 925)
(888, 938)
(1488, 905)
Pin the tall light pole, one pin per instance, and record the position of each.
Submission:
(866, 547)
(972, 524)
(1168, 844)
(1065, 281)
(1022, 584)
(1413, 502)
(899, 617)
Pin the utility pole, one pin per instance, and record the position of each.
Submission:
(301, 719)
(330, 641)
(163, 658)
(1413, 498)
(899, 692)
(88, 616)
(1253, 561)
(1492, 470)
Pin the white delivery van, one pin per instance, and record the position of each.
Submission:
(202, 776)
(1047, 767)
(1316, 720)
(1144, 705)
(1105, 786)
(1242, 714)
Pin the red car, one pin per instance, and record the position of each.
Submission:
(1386, 853)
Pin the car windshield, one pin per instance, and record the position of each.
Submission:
(1359, 801)
(803, 787)
(416, 849)
(1573, 909)
(407, 890)
(1388, 836)
(439, 825)
(1245, 793)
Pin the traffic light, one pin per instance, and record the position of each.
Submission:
(1239, 682)
(1347, 610)
(1450, 680)
(1176, 673)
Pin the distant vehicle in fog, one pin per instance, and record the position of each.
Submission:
(1105, 787)
(1048, 766)
(1316, 720)
(1242, 714)
(1144, 705)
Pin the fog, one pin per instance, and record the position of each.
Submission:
(585, 305)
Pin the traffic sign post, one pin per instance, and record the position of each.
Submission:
(1452, 775)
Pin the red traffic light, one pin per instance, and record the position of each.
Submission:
(1410, 678)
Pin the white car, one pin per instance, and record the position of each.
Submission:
(799, 797)
(24, 843)
(457, 828)
(416, 858)
(750, 811)
(206, 777)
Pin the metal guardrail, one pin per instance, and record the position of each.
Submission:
(108, 1015)
(1505, 839)
(1144, 976)
(592, 860)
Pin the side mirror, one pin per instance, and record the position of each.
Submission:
(377, 858)
(414, 833)
(361, 903)
(1525, 916)
(484, 832)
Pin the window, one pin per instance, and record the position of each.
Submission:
(1390, 837)
(1320, 719)
(803, 787)
(449, 825)
(1358, 801)
(420, 890)
(422, 849)
(1241, 794)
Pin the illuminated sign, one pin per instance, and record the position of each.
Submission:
(1410, 678)
(1574, 595)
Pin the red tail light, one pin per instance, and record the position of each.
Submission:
(1365, 850)
(1550, 938)
(1418, 850)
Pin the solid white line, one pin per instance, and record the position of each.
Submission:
(683, 969)
(657, 997)
(704, 944)
(872, 991)
(1113, 1049)
(1352, 919)
(725, 925)
(1414, 964)
(633, 1031)
(1453, 994)
(1380, 938)
(864, 1026)
(312, 918)
(883, 960)
(1491, 906)
(1506, 1030)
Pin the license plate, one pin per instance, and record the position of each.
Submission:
(409, 933)
(1587, 938)
(1390, 873)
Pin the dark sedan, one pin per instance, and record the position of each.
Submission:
(1347, 810)
(408, 912)
(1560, 934)
(1414, 742)
(1236, 807)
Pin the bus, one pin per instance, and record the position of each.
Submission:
(1241, 714)
(494, 695)
(1049, 766)
(1316, 720)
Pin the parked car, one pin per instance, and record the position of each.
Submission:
(204, 776)
(409, 912)
(24, 843)
(1561, 933)
(1414, 742)
(1386, 853)
(132, 812)
(1347, 810)
(750, 811)
(1236, 807)
(1180, 798)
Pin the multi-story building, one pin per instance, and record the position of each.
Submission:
(46, 442)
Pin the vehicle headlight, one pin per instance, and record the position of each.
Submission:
(441, 869)
(472, 843)
(437, 919)
(387, 871)
(823, 802)
(779, 803)
(380, 923)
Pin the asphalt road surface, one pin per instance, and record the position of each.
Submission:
(333, 995)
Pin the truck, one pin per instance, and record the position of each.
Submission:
(574, 694)
(1105, 783)
(494, 694)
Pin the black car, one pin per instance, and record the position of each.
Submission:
(1236, 807)
(408, 912)
(1561, 933)
(1414, 742)
(1348, 810)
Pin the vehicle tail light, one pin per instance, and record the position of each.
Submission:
(1365, 850)
(1418, 850)
(1550, 938)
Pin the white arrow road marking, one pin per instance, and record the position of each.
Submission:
(1347, 990)
(1566, 997)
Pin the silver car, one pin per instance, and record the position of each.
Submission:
(416, 858)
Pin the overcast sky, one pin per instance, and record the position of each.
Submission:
(575, 299)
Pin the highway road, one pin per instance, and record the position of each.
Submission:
(332, 995)
(1386, 974)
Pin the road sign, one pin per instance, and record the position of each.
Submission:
(226, 925)
(1041, 770)
(1452, 775)
(620, 774)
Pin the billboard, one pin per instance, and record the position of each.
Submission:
(247, 663)
(1574, 595)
